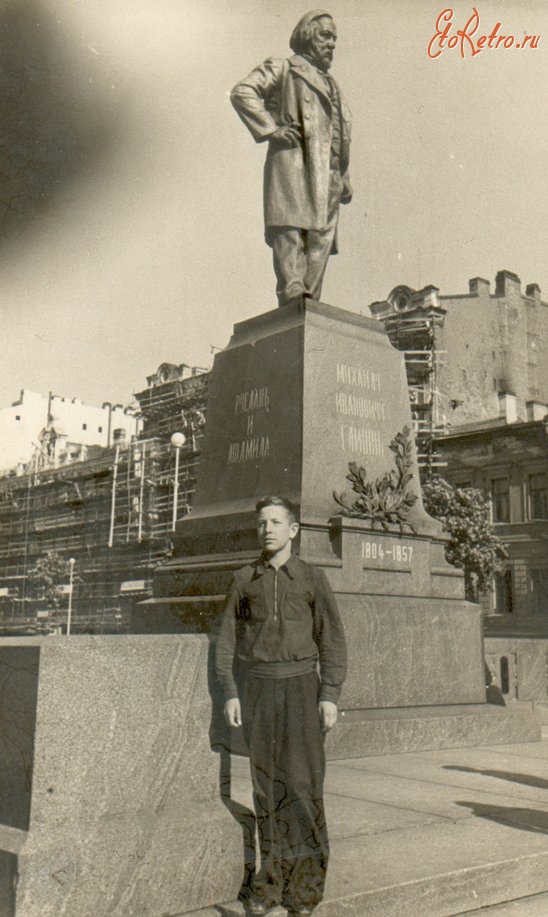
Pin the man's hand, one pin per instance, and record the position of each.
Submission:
(288, 135)
(233, 712)
(328, 714)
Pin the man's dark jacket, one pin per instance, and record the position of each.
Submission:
(283, 620)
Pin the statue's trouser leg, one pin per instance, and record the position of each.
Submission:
(289, 263)
(300, 256)
(317, 250)
(318, 245)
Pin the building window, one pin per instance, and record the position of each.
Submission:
(84, 426)
(504, 603)
(538, 496)
(18, 417)
(500, 500)
(99, 429)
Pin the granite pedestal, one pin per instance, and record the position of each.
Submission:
(299, 398)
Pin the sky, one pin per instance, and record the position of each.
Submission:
(130, 193)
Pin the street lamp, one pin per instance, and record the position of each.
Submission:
(177, 441)
(71, 562)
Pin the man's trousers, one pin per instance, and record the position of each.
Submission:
(300, 256)
(286, 748)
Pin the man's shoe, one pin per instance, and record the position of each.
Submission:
(302, 912)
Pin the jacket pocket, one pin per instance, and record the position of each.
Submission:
(298, 606)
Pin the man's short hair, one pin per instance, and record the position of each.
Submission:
(304, 30)
(289, 507)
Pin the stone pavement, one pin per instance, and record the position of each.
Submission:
(432, 834)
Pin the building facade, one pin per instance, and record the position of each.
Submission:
(477, 367)
(113, 513)
(470, 357)
(508, 463)
(54, 430)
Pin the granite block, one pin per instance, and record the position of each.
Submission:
(126, 812)
(413, 729)
(149, 865)
(143, 709)
(406, 652)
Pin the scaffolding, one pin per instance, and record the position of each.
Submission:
(113, 513)
(416, 336)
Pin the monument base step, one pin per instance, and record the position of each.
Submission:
(460, 892)
(361, 733)
(541, 713)
(430, 834)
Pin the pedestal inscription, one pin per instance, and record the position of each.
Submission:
(254, 412)
(351, 403)
(251, 447)
(398, 554)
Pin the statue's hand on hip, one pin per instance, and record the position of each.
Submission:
(286, 136)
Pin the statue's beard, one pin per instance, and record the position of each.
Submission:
(322, 59)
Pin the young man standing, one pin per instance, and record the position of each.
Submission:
(282, 633)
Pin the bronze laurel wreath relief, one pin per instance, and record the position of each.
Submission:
(385, 501)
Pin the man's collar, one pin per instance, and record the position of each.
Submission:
(289, 568)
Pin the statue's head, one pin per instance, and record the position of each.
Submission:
(314, 37)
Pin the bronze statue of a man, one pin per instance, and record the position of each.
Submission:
(297, 107)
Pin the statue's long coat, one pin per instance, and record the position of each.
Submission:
(296, 180)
